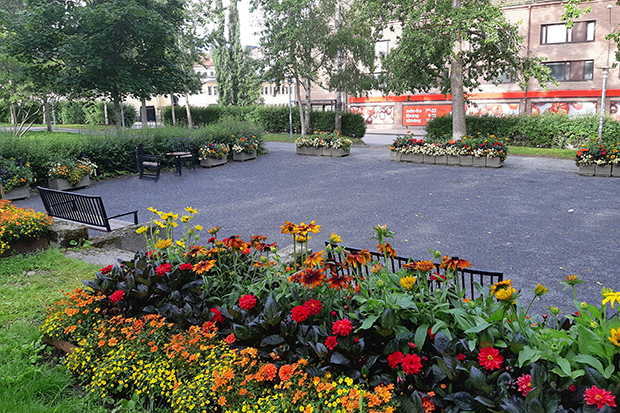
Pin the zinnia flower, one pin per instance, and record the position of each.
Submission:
(247, 302)
(163, 269)
(412, 364)
(106, 270)
(117, 296)
(218, 317)
(525, 384)
(600, 397)
(461, 357)
(394, 359)
(300, 314)
(489, 358)
(438, 277)
(342, 327)
(331, 342)
(314, 306)
(186, 266)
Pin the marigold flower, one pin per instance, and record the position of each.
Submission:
(412, 364)
(117, 296)
(247, 302)
(599, 397)
(300, 314)
(230, 338)
(331, 342)
(408, 282)
(490, 358)
(525, 384)
(342, 327)
(615, 336)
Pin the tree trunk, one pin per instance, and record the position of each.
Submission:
(174, 118)
(456, 86)
(143, 118)
(301, 110)
(13, 117)
(189, 112)
(117, 108)
(308, 104)
(105, 112)
(47, 115)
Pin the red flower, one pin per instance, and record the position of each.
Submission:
(163, 269)
(412, 345)
(247, 302)
(438, 277)
(342, 327)
(217, 316)
(461, 357)
(300, 313)
(395, 358)
(211, 240)
(314, 306)
(331, 342)
(525, 384)
(411, 364)
(230, 338)
(186, 266)
(117, 296)
(600, 397)
(489, 358)
(106, 270)
(572, 387)
(431, 335)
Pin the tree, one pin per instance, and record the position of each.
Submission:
(452, 45)
(293, 44)
(235, 70)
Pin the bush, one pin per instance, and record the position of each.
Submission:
(353, 125)
(70, 112)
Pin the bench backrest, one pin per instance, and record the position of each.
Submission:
(86, 209)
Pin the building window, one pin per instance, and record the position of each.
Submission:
(209, 90)
(215, 90)
(212, 73)
(575, 70)
(559, 33)
(506, 78)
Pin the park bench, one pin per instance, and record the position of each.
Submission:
(84, 209)
(468, 277)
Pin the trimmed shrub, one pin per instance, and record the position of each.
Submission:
(353, 125)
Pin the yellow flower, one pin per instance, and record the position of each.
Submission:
(611, 297)
(615, 336)
(408, 282)
(180, 244)
(501, 285)
(159, 224)
(191, 210)
(141, 230)
(185, 219)
(163, 243)
(335, 239)
(198, 227)
(540, 290)
(153, 210)
(505, 294)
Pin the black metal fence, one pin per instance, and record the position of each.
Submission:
(467, 276)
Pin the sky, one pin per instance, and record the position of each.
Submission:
(249, 23)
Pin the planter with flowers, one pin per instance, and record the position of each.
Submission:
(16, 179)
(213, 154)
(22, 229)
(245, 148)
(324, 144)
(228, 325)
(596, 158)
(489, 152)
(70, 174)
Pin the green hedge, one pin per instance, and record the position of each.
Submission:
(546, 131)
(114, 153)
(273, 119)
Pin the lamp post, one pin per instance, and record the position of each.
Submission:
(290, 109)
(605, 76)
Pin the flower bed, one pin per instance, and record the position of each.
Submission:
(21, 225)
(469, 151)
(15, 179)
(229, 327)
(596, 158)
(324, 144)
(213, 154)
(74, 172)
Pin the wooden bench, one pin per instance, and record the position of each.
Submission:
(85, 209)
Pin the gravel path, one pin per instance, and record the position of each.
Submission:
(535, 219)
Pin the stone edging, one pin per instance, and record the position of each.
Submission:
(599, 170)
(479, 162)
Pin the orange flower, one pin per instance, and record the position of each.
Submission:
(315, 259)
(424, 266)
(204, 266)
(288, 228)
(267, 372)
(230, 338)
(361, 258)
(338, 281)
(311, 278)
(387, 249)
(454, 263)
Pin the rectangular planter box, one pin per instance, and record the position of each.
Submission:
(453, 160)
(441, 159)
(466, 160)
(615, 170)
(63, 185)
(242, 157)
(602, 170)
(395, 156)
(326, 152)
(586, 170)
(406, 157)
(429, 159)
(303, 150)
(417, 158)
(494, 162)
(211, 162)
(312, 151)
(339, 153)
(479, 162)
(20, 192)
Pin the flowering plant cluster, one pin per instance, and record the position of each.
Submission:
(18, 224)
(594, 153)
(326, 140)
(228, 328)
(245, 144)
(71, 170)
(213, 150)
(479, 146)
(14, 175)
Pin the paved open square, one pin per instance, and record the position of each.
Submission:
(535, 219)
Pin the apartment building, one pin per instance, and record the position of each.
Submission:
(575, 56)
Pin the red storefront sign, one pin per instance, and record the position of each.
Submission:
(420, 115)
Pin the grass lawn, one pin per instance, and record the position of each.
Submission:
(31, 380)
(543, 152)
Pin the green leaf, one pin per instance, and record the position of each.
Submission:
(368, 323)
(484, 401)
(272, 340)
(478, 328)
(539, 376)
(564, 365)
(534, 406)
(389, 319)
(528, 355)
(477, 377)
(589, 360)
(420, 335)
(338, 358)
